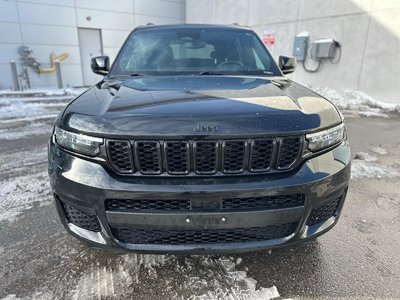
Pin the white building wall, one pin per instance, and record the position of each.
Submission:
(48, 26)
(368, 30)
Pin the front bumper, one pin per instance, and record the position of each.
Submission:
(85, 186)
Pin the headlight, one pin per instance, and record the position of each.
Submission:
(323, 139)
(78, 142)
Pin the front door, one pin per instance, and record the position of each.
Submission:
(90, 46)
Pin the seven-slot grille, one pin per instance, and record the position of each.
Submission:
(205, 157)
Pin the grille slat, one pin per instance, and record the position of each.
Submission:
(289, 151)
(185, 237)
(234, 156)
(148, 155)
(205, 157)
(261, 155)
(120, 155)
(177, 157)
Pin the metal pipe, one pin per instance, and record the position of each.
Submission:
(14, 75)
(53, 60)
(58, 72)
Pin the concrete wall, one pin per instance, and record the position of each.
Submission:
(52, 26)
(368, 30)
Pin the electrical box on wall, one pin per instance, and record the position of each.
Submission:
(324, 48)
(300, 45)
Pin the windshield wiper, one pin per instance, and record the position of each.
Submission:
(137, 74)
(210, 73)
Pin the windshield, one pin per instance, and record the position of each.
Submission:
(175, 51)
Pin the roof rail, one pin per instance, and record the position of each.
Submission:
(237, 24)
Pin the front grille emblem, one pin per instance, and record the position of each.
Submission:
(205, 128)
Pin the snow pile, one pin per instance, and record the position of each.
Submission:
(31, 109)
(43, 92)
(92, 275)
(379, 150)
(366, 165)
(46, 295)
(34, 105)
(189, 277)
(32, 129)
(365, 156)
(367, 169)
(358, 103)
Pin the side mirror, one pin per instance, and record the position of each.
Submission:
(287, 64)
(100, 65)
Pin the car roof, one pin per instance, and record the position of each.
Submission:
(193, 26)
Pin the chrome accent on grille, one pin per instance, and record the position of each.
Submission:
(205, 157)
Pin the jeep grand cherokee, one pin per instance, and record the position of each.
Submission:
(196, 141)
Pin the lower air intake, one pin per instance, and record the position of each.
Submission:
(81, 219)
(324, 212)
(185, 237)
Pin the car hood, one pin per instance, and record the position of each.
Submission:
(198, 105)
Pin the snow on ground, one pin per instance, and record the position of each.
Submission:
(23, 158)
(20, 193)
(32, 129)
(32, 106)
(47, 295)
(356, 103)
(379, 150)
(159, 277)
(30, 109)
(361, 168)
(43, 92)
(189, 277)
(368, 165)
(26, 115)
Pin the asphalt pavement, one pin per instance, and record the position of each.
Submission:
(358, 259)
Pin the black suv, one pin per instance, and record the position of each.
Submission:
(195, 141)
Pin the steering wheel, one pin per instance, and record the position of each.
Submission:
(229, 63)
